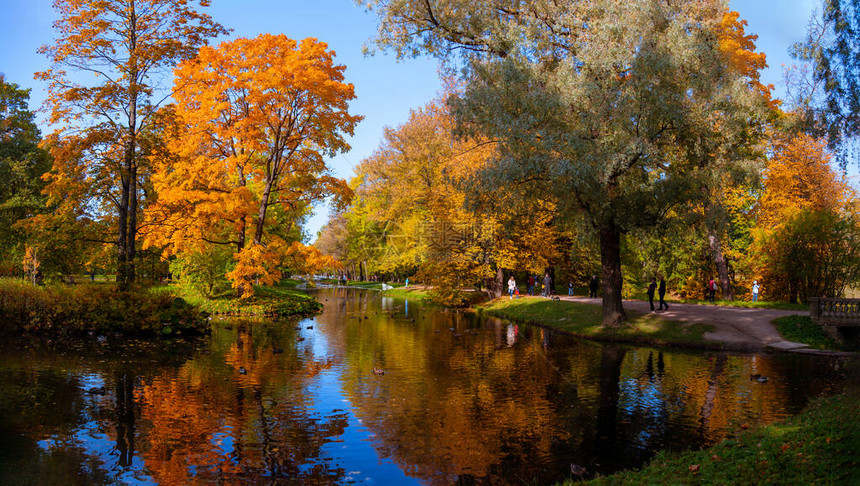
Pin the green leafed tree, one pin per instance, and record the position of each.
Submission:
(22, 164)
(592, 103)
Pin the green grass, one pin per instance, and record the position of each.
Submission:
(802, 329)
(279, 300)
(584, 320)
(819, 446)
(407, 293)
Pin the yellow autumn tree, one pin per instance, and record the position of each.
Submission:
(255, 120)
(417, 212)
(102, 120)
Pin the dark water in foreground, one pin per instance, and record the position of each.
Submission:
(375, 391)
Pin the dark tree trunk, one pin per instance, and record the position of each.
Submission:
(131, 235)
(499, 283)
(122, 237)
(721, 263)
(610, 258)
(713, 216)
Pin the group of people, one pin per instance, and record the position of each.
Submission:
(654, 287)
(532, 286)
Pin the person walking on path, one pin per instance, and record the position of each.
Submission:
(512, 285)
(661, 291)
(531, 285)
(712, 289)
(569, 288)
(592, 287)
(651, 288)
(547, 283)
(755, 289)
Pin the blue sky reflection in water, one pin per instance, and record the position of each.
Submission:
(455, 397)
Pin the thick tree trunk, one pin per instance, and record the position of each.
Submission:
(610, 258)
(720, 262)
(499, 283)
(713, 225)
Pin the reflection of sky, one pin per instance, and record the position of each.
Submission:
(353, 451)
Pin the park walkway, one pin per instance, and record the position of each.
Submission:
(736, 327)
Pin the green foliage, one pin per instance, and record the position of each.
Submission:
(203, 272)
(802, 329)
(96, 309)
(22, 164)
(815, 254)
(819, 446)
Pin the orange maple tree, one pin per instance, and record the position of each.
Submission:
(256, 117)
(98, 146)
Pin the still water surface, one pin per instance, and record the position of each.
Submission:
(375, 390)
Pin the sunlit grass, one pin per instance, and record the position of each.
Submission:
(584, 320)
(280, 300)
(406, 293)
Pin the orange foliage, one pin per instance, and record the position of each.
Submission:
(739, 49)
(257, 265)
(799, 177)
(256, 117)
(306, 259)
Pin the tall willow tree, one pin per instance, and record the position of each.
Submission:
(591, 102)
(124, 48)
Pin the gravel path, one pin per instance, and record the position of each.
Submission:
(736, 327)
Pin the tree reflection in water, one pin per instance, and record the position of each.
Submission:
(457, 399)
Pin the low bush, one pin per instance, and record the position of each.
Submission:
(97, 309)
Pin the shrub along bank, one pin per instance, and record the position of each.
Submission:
(97, 309)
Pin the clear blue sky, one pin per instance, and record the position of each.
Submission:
(386, 89)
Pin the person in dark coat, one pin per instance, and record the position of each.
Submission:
(592, 287)
(661, 291)
(651, 288)
(547, 285)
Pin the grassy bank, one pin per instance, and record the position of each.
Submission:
(279, 300)
(95, 309)
(407, 293)
(801, 329)
(583, 320)
(819, 446)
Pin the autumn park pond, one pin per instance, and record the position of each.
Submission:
(376, 390)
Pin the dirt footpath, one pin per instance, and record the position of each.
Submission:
(736, 327)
